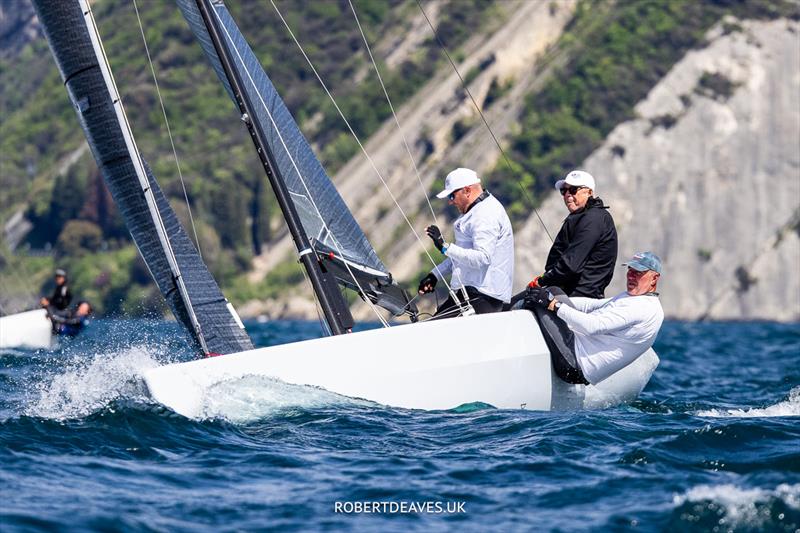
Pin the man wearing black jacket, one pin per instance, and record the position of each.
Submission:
(61, 295)
(582, 258)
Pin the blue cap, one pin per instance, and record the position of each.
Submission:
(643, 261)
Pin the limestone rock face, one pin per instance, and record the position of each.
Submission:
(707, 177)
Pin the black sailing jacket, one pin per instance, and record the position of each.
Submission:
(584, 253)
(61, 297)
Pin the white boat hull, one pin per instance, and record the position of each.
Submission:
(500, 359)
(31, 329)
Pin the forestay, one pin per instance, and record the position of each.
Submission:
(190, 290)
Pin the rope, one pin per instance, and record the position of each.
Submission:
(483, 118)
(300, 176)
(396, 121)
(322, 324)
(169, 130)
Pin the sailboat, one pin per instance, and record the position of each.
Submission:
(499, 359)
(29, 329)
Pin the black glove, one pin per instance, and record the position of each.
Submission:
(538, 296)
(427, 283)
(436, 236)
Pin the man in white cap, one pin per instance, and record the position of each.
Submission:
(590, 339)
(481, 260)
(582, 258)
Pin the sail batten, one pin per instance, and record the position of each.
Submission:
(170, 255)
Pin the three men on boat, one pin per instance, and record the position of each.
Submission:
(481, 260)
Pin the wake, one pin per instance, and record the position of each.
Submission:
(90, 385)
(788, 407)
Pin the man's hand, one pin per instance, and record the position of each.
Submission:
(428, 283)
(535, 283)
(537, 296)
(44, 302)
(436, 236)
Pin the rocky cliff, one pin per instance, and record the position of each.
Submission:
(708, 177)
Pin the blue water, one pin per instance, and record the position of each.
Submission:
(713, 444)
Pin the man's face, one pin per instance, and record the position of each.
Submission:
(575, 197)
(638, 283)
(84, 309)
(461, 198)
(60, 280)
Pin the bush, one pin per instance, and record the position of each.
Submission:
(78, 238)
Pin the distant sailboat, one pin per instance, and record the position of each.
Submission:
(30, 329)
(500, 359)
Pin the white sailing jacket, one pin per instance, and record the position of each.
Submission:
(482, 255)
(611, 333)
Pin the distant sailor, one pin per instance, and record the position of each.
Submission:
(61, 297)
(582, 258)
(590, 339)
(481, 260)
(70, 323)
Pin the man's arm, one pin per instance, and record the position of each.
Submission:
(587, 232)
(610, 318)
(484, 242)
(65, 319)
(587, 305)
(443, 269)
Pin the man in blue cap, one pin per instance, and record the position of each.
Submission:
(589, 338)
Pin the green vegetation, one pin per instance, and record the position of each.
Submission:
(288, 273)
(232, 205)
(617, 52)
(715, 85)
(704, 255)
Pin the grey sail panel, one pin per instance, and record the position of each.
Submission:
(312, 191)
(71, 44)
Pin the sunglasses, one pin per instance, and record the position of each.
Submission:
(452, 195)
(572, 190)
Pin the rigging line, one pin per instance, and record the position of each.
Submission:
(169, 130)
(360, 145)
(299, 174)
(483, 118)
(323, 325)
(394, 114)
(402, 134)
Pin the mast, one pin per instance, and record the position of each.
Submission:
(335, 309)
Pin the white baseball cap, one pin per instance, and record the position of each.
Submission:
(578, 178)
(458, 179)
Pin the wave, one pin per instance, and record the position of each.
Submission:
(251, 398)
(736, 507)
(90, 385)
(788, 407)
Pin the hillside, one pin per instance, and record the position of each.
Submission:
(683, 111)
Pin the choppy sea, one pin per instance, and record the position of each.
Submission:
(713, 444)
